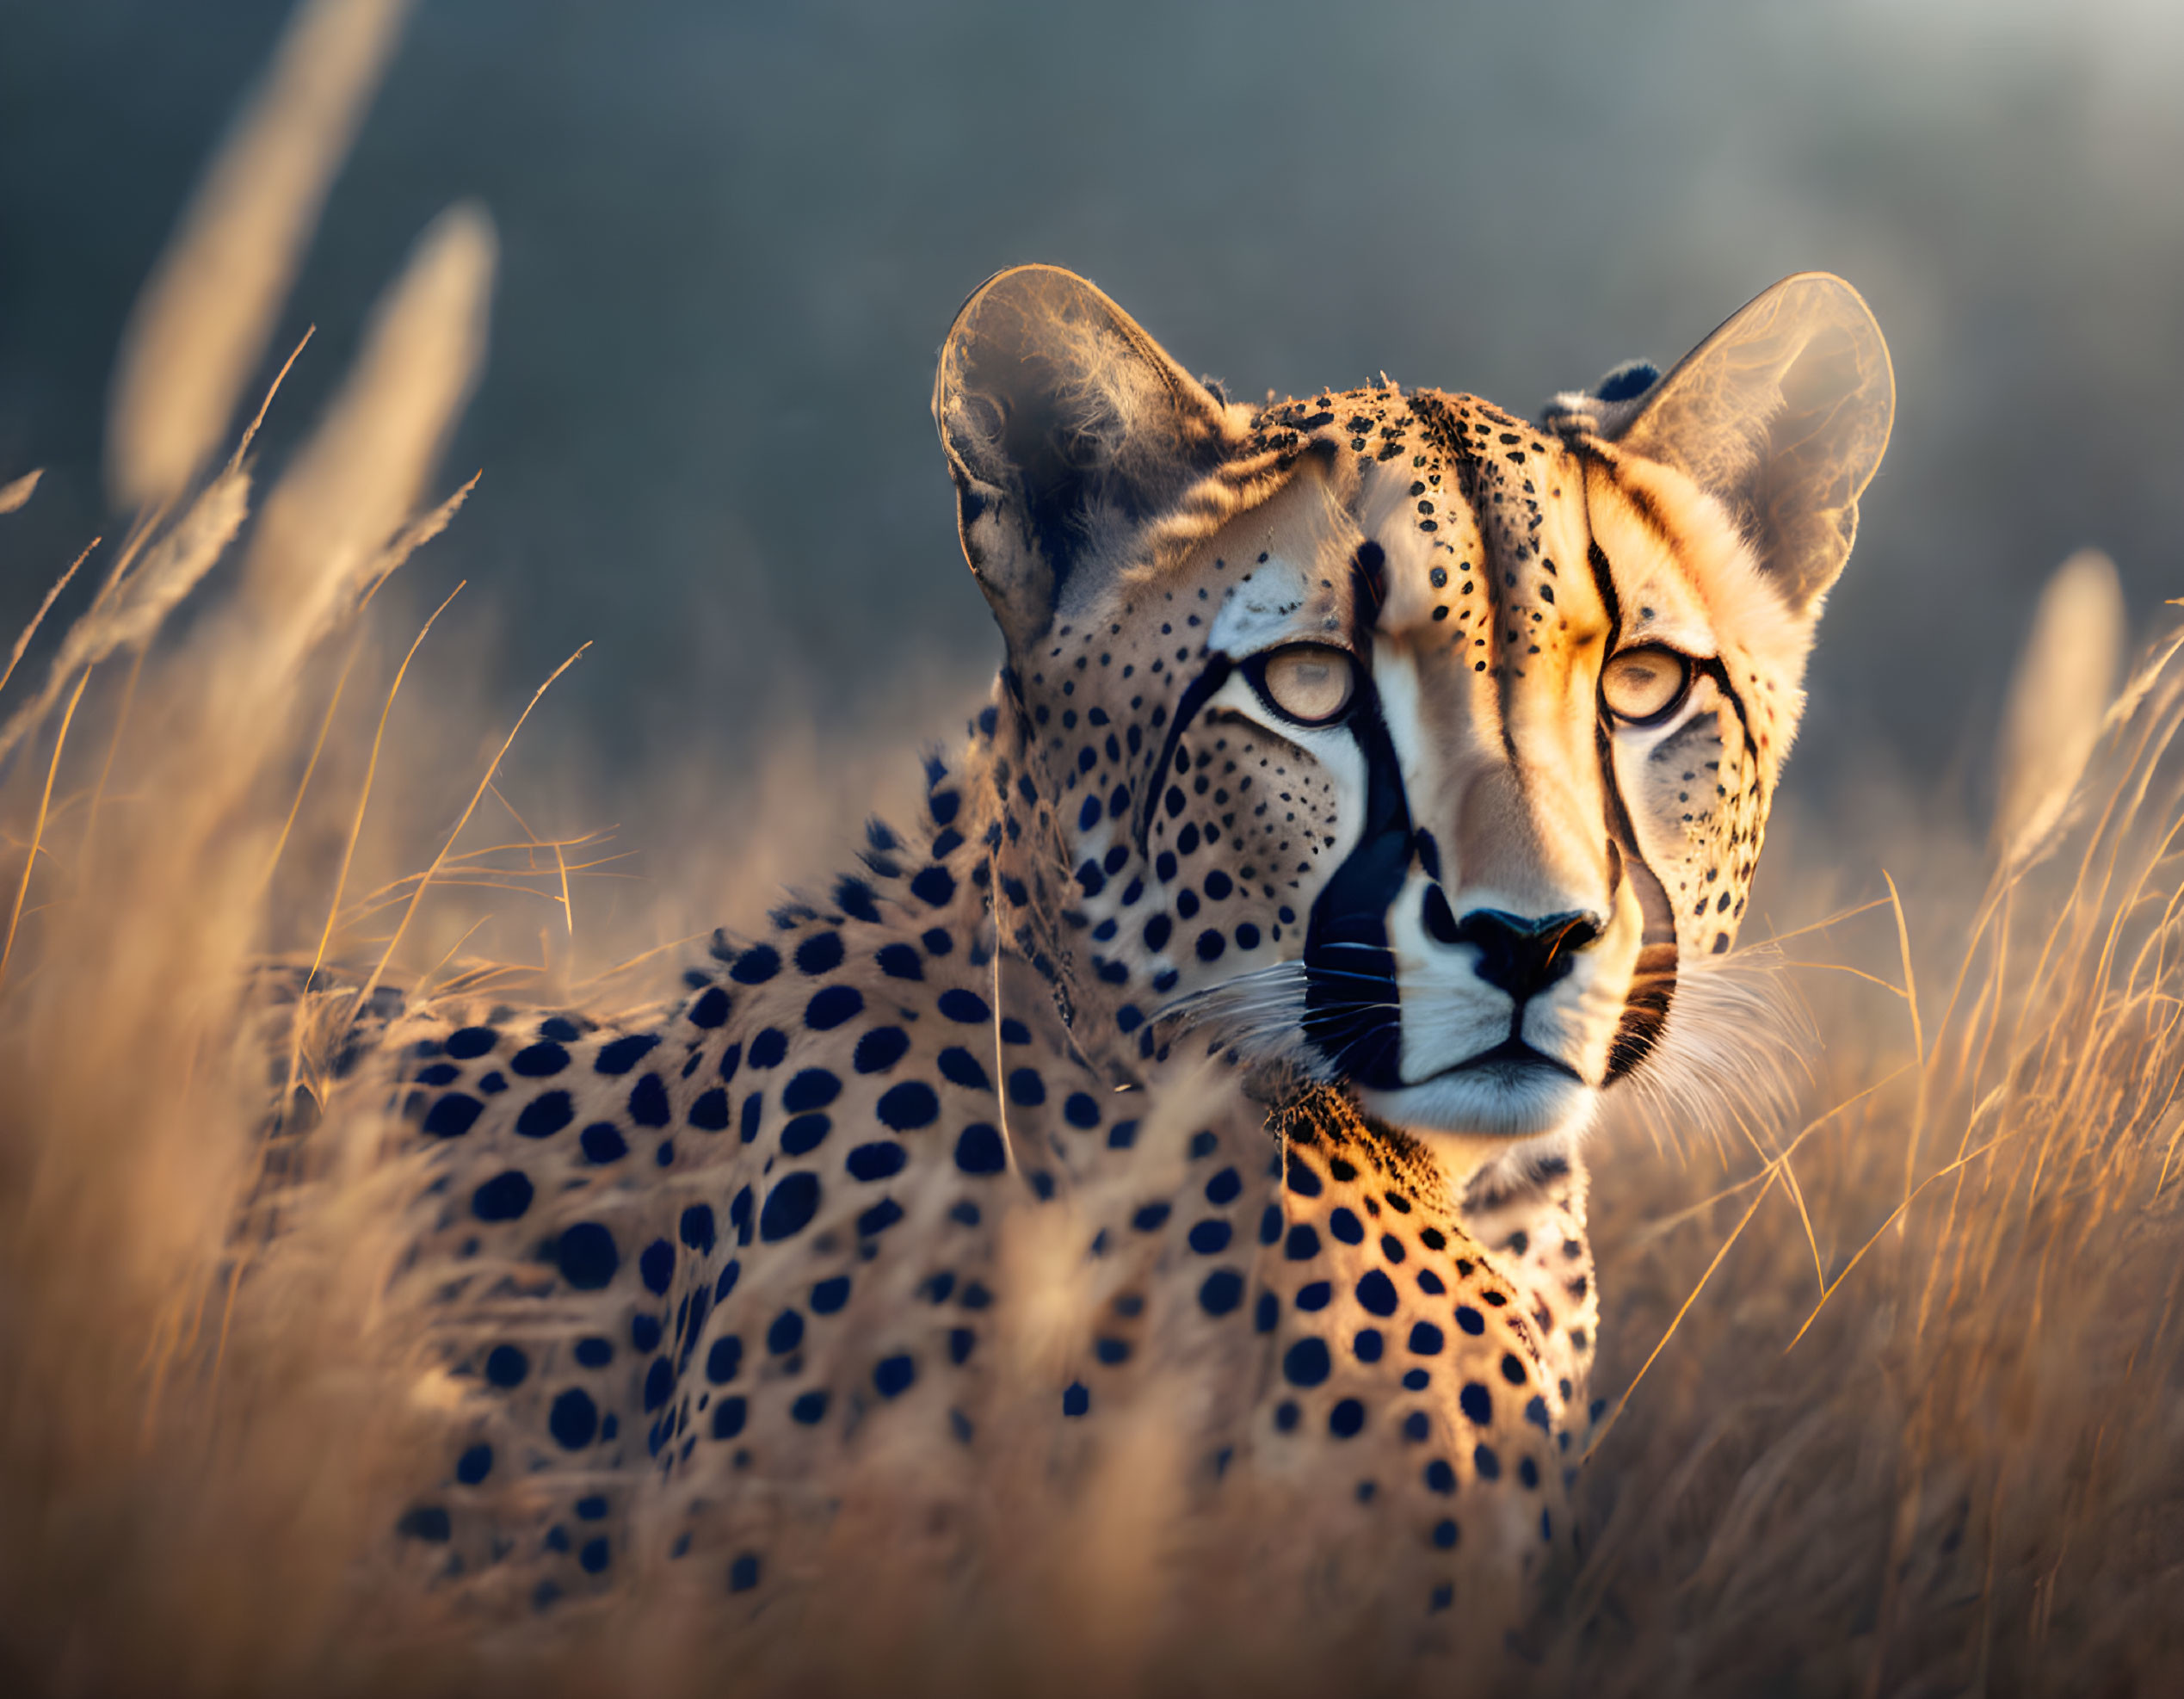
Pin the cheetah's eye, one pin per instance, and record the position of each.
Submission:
(1645, 685)
(1307, 682)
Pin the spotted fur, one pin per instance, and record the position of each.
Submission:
(690, 1273)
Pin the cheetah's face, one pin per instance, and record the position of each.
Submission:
(1390, 734)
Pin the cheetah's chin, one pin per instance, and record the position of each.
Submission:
(1514, 1101)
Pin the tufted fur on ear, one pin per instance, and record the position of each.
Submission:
(1782, 414)
(1067, 428)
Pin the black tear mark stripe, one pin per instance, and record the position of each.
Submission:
(1650, 515)
(1653, 977)
(1368, 594)
(1352, 1003)
(1712, 667)
(1604, 582)
(1194, 697)
(1353, 1008)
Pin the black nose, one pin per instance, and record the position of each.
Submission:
(1519, 955)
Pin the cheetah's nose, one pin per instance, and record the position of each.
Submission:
(1517, 954)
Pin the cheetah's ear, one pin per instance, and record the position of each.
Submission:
(1067, 428)
(1782, 414)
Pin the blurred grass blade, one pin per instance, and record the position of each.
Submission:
(170, 572)
(357, 482)
(14, 495)
(205, 317)
(2064, 679)
(22, 639)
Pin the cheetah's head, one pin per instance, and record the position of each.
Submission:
(1409, 743)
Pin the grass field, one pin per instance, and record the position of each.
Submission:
(1889, 1330)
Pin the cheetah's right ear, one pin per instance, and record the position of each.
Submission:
(1782, 414)
(1067, 428)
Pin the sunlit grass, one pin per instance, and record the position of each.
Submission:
(1921, 1433)
(1890, 1339)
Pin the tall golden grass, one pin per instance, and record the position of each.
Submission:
(1918, 1430)
(1896, 1400)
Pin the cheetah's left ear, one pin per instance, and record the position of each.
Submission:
(1782, 414)
(1067, 428)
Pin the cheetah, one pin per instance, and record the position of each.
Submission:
(1203, 1082)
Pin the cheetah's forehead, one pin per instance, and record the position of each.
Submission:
(1466, 508)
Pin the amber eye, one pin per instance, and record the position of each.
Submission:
(1307, 682)
(1645, 684)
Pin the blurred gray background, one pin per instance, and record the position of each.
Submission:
(733, 235)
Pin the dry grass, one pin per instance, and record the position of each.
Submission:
(1905, 1404)
(200, 324)
(1921, 1432)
